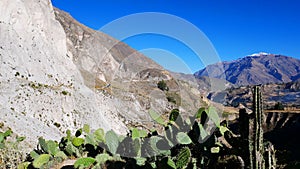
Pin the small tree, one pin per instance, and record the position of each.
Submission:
(162, 85)
(279, 106)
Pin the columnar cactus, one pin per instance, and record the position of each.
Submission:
(258, 145)
(246, 137)
(252, 135)
(270, 156)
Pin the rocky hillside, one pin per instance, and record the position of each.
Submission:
(42, 89)
(287, 93)
(111, 67)
(255, 69)
(57, 74)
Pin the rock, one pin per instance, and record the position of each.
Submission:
(39, 83)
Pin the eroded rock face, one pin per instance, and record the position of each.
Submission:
(42, 91)
(57, 74)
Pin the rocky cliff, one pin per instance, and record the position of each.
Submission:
(57, 74)
(42, 90)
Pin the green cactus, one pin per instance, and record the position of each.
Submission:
(252, 133)
(171, 163)
(90, 139)
(146, 149)
(223, 129)
(174, 115)
(112, 141)
(153, 165)
(213, 115)
(170, 133)
(68, 137)
(202, 115)
(72, 150)
(183, 138)
(183, 158)
(52, 147)
(20, 139)
(61, 154)
(84, 162)
(99, 135)
(258, 160)
(203, 133)
(136, 133)
(34, 154)
(154, 142)
(41, 160)
(200, 112)
(43, 145)
(140, 161)
(77, 141)
(137, 147)
(7, 133)
(270, 156)
(162, 151)
(103, 158)
(156, 117)
(215, 150)
(194, 162)
(24, 165)
(86, 129)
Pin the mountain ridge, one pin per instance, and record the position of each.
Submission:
(261, 68)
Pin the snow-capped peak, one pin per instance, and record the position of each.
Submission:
(260, 54)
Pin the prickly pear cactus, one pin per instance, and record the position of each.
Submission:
(183, 158)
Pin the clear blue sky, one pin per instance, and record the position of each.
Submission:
(236, 28)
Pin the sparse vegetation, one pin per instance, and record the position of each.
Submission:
(278, 106)
(171, 99)
(10, 155)
(162, 85)
(175, 149)
(64, 92)
(184, 143)
(17, 74)
(57, 124)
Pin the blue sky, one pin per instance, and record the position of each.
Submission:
(236, 28)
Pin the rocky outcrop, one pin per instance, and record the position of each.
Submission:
(42, 92)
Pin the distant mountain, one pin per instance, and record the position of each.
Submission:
(261, 68)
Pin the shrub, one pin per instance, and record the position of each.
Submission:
(171, 99)
(64, 92)
(162, 85)
(279, 106)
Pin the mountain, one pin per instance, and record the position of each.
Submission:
(132, 77)
(57, 74)
(261, 68)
